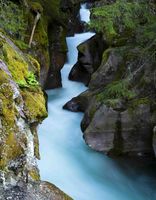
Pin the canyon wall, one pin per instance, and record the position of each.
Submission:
(25, 68)
(118, 66)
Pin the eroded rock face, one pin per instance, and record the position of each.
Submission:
(57, 51)
(116, 132)
(88, 59)
(115, 125)
(99, 135)
(106, 72)
(121, 86)
(79, 103)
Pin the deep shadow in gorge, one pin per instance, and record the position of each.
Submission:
(57, 32)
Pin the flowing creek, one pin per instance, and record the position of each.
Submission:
(67, 162)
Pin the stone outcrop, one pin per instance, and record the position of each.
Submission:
(48, 44)
(119, 104)
(114, 132)
(22, 108)
(88, 59)
(33, 191)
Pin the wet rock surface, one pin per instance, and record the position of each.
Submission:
(88, 59)
(120, 111)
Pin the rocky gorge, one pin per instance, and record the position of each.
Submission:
(117, 65)
(25, 69)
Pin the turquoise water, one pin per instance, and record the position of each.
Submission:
(68, 163)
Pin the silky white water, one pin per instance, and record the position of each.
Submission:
(84, 13)
(68, 163)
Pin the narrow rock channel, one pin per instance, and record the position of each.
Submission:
(67, 162)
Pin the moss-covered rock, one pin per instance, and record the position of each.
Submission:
(34, 104)
(123, 83)
(22, 108)
(52, 22)
(119, 20)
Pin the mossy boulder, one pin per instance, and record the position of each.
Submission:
(19, 107)
(34, 104)
(119, 20)
(21, 16)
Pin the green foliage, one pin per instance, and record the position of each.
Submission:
(116, 91)
(141, 101)
(120, 17)
(22, 45)
(111, 102)
(135, 103)
(12, 19)
(30, 80)
(52, 9)
(146, 39)
(36, 7)
(22, 84)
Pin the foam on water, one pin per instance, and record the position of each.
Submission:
(84, 13)
(67, 162)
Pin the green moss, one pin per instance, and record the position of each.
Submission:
(21, 44)
(18, 66)
(41, 33)
(34, 63)
(3, 77)
(8, 110)
(22, 84)
(120, 19)
(10, 148)
(40, 42)
(115, 91)
(51, 8)
(34, 175)
(134, 104)
(36, 7)
(105, 55)
(55, 190)
(92, 112)
(34, 102)
(15, 62)
(13, 143)
(12, 19)
(30, 80)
